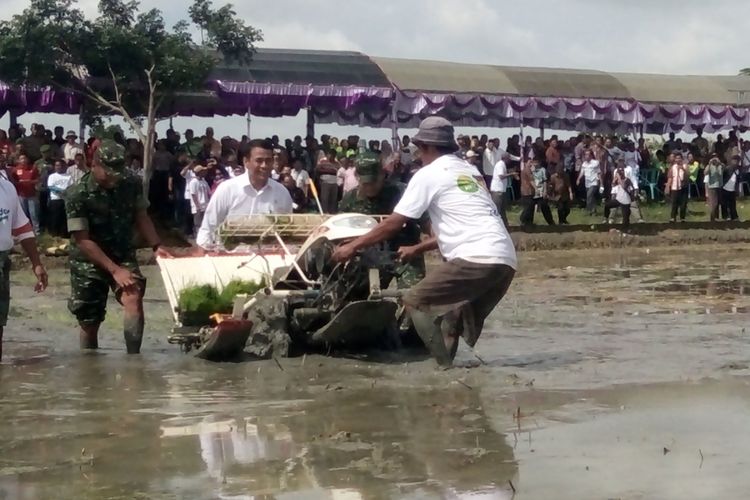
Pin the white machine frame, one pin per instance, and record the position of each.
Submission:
(272, 238)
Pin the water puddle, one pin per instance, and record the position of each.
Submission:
(557, 400)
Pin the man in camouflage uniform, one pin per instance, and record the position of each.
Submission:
(102, 211)
(377, 196)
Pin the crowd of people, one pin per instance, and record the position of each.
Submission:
(600, 174)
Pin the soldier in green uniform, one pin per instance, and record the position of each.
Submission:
(103, 210)
(378, 196)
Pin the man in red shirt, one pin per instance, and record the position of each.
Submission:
(25, 176)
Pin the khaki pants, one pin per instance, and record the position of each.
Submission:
(462, 288)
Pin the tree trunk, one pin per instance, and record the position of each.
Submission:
(148, 155)
(148, 144)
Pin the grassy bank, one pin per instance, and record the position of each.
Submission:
(657, 212)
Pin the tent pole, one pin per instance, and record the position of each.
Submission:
(13, 118)
(541, 128)
(523, 146)
(640, 130)
(249, 120)
(394, 129)
(81, 125)
(310, 123)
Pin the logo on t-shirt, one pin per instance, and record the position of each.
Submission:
(4, 214)
(467, 184)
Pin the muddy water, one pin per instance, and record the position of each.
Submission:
(603, 375)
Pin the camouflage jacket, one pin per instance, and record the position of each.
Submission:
(45, 168)
(383, 204)
(107, 214)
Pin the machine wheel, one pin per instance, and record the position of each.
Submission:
(269, 337)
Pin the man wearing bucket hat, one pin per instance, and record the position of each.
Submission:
(71, 148)
(480, 260)
(102, 210)
(377, 196)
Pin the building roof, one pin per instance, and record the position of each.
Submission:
(450, 77)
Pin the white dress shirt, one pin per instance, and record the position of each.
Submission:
(238, 197)
(499, 182)
(491, 157)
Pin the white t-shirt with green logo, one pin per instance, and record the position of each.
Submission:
(463, 216)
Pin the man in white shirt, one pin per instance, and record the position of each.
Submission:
(58, 182)
(677, 187)
(198, 190)
(78, 169)
(623, 193)
(300, 176)
(71, 148)
(15, 227)
(480, 260)
(490, 157)
(632, 173)
(252, 194)
(493, 154)
(499, 186)
(591, 173)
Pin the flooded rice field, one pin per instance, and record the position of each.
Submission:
(604, 374)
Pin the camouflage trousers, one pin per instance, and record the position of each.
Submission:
(4, 288)
(410, 273)
(90, 286)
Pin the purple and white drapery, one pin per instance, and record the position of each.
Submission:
(288, 99)
(614, 115)
(37, 100)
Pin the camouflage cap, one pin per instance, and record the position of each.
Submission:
(111, 154)
(368, 167)
(45, 149)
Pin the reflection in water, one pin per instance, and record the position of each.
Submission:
(224, 443)
(373, 444)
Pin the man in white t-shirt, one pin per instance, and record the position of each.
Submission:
(591, 173)
(300, 176)
(58, 182)
(632, 173)
(15, 227)
(198, 190)
(252, 194)
(480, 260)
(499, 186)
(78, 169)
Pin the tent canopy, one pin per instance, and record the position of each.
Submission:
(352, 88)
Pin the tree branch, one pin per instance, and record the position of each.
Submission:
(118, 98)
(116, 107)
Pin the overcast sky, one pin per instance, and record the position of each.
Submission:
(658, 36)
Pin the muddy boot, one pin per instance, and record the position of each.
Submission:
(428, 329)
(451, 327)
(88, 337)
(133, 333)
